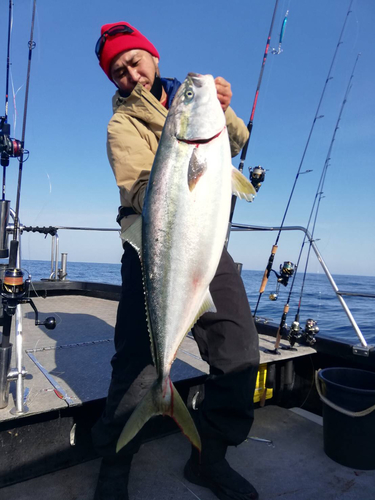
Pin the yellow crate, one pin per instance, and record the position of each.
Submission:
(260, 383)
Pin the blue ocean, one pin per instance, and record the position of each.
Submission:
(319, 301)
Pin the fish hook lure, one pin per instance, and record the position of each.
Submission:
(282, 32)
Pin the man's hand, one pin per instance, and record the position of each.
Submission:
(224, 93)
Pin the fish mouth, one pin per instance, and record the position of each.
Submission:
(199, 141)
(196, 79)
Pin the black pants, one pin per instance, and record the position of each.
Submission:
(227, 340)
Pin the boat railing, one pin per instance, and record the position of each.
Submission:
(60, 274)
(364, 348)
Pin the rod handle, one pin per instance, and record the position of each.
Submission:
(268, 269)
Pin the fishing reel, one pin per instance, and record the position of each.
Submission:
(15, 290)
(311, 329)
(286, 271)
(257, 175)
(295, 333)
(9, 148)
(306, 336)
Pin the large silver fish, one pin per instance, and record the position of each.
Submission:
(181, 236)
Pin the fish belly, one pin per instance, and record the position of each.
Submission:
(183, 239)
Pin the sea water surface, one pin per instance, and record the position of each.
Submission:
(319, 301)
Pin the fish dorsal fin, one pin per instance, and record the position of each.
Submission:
(197, 167)
(206, 306)
(241, 186)
(133, 235)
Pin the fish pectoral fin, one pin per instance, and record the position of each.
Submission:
(133, 235)
(197, 167)
(206, 306)
(183, 419)
(241, 186)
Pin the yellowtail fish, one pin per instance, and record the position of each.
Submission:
(180, 237)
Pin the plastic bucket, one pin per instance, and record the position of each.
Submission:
(348, 397)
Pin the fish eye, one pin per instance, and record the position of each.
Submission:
(189, 94)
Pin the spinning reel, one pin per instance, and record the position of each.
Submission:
(306, 336)
(257, 176)
(286, 271)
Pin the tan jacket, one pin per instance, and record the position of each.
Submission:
(132, 140)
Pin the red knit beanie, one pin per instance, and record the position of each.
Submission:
(120, 42)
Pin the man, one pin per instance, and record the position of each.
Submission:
(227, 340)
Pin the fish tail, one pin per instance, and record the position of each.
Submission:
(183, 419)
(161, 399)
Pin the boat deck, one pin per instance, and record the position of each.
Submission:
(293, 467)
(70, 365)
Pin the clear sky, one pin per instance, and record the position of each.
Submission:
(67, 179)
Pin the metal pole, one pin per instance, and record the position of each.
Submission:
(64, 261)
(52, 256)
(244, 227)
(342, 301)
(57, 258)
(20, 407)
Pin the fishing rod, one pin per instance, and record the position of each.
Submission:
(13, 286)
(258, 173)
(32, 46)
(9, 148)
(311, 329)
(4, 159)
(14, 289)
(271, 258)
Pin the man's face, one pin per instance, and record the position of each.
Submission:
(133, 66)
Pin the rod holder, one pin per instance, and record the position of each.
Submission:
(63, 271)
(5, 357)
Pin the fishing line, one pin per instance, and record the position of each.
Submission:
(357, 30)
(10, 27)
(294, 331)
(15, 111)
(267, 81)
(14, 94)
(316, 117)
